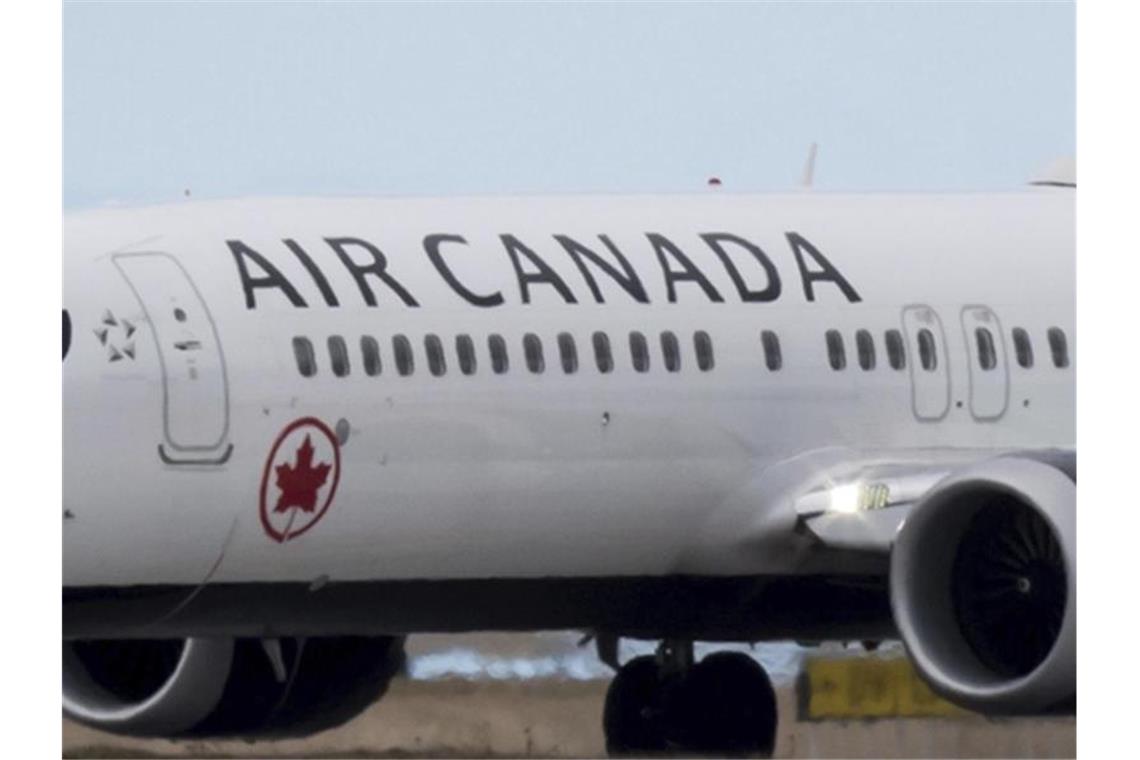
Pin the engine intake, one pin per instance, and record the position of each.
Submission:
(225, 687)
(983, 586)
(158, 687)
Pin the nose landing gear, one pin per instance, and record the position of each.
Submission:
(723, 705)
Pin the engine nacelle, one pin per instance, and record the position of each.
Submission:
(249, 688)
(983, 586)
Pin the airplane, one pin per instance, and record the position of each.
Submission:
(299, 430)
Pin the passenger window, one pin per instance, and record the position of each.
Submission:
(465, 348)
(865, 345)
(672, 351)
(532, 349)
(568, 353)
(306, 357)
(1059, 346)
(1023, 348)
(639, 351)
(836, 352)
(338, 351)
(371, 351)
(437, 365)
(498, 348)
(703, 345)
(896, 349)
(927, 351)
(987, 355)
(602, 354)
(773, 356)
(405, 362)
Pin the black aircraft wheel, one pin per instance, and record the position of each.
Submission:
(632, 717)
(725, 706)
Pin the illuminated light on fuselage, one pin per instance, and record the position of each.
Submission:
(845, 499)
(859, 497)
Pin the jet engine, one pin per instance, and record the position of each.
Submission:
(214, 687)
(983, 586)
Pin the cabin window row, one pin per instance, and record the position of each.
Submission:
(533, 352)
(866, 353)
(984, 343)
(639, 347)
(1058, 347)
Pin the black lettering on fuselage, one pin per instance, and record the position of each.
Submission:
(272, 277)
(627, 278)
(825, 273)
(431, 247)
(687, 273)
(716, 241)
(377, 267)
(314, 272)
(543, 273)
(363, 260)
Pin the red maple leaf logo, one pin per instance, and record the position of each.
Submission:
(300, 482)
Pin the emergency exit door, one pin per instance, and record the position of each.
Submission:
(929, 362)
(989, 372)
(195, 408)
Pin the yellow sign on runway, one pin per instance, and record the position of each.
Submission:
(867, 687)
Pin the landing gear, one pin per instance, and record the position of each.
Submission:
(634, 717)
(723, 705)
(726, 706)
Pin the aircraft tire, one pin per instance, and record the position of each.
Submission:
(632, 714)
(725, 706)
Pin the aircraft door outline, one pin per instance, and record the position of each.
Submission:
(195, 386)
(929, 362)
(989, 386)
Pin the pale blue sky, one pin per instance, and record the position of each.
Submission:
(233, 99)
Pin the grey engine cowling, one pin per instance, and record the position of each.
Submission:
(983, 586)
(225, 687)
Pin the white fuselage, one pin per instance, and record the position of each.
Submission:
(524, 474)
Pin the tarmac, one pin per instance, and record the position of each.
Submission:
(543, 718)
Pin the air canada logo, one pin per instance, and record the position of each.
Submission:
(299, 480)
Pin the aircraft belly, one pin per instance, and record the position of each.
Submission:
(429, 488)
(434, 490)
(495, 519)
(450, 494)
(434, 487)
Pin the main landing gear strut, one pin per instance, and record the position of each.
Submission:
(723, 705)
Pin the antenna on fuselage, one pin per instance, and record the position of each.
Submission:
(809, 167)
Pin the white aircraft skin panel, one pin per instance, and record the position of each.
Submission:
(521, 475)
